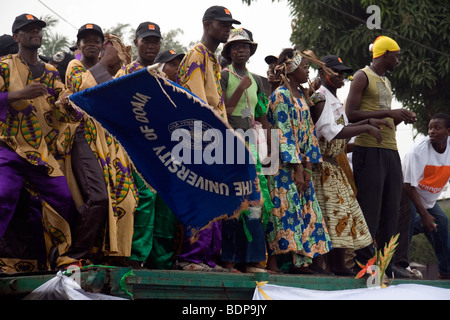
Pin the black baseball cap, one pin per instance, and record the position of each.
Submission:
(335, 63)
(168, 55)
(90, 27)
(219, 13)
(8, 45)
(24, 20)
(147, 29)
(270, 59)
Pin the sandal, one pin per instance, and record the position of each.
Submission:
(255, 270)
(191, 266)
(219, 268)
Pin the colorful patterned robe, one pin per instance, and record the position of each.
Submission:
(41, 132)
(296, 224)
(128, 69)
(117, 168)
(200, 73)
(343, 215)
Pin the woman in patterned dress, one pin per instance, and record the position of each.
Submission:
(296, 227)
(333, 184)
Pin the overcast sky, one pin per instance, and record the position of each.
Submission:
(269, 22)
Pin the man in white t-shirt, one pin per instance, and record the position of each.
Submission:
(426, 171)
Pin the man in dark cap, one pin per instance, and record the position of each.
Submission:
(28, 94)
(170, 63)
(200, 73)
(27, 32)
(200, 69)
(98, 63)
(148, 43)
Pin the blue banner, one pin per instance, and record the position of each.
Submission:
(199, 166)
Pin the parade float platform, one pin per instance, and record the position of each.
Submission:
(146, 284)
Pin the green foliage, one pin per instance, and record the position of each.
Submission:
(170, 41)
(421, 250)
(422, 29)
(118, 30)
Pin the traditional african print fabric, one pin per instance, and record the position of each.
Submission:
(200, 73)
(123, 51)
(296, 224)
(117, 169)
(78, 77)
(34, 129)
(39, 132)
(130, 68)
(343, 216)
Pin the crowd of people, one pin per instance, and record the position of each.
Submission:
(70, 194)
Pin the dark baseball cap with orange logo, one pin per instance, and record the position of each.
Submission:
(24, 20)
(147, 29)
(88, 28)
(168, 55)
(219, 13)
(335, 63)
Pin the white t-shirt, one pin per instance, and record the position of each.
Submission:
(427, 170)
(333, 109)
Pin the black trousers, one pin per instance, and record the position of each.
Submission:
(401, 257)
(379, 180)
(91, 221)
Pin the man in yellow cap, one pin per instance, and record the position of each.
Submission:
(376, 166)
(383, 44)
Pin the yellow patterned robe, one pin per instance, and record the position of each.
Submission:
(200, 73)
(117, 169)
(41, 132)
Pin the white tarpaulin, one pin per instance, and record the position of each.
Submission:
(393, 292)
(62, 287)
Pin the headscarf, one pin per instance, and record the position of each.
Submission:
(122, 50)
(291, 64)
(383, 44)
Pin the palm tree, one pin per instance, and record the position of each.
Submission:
(52, 42)
(118, 30)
